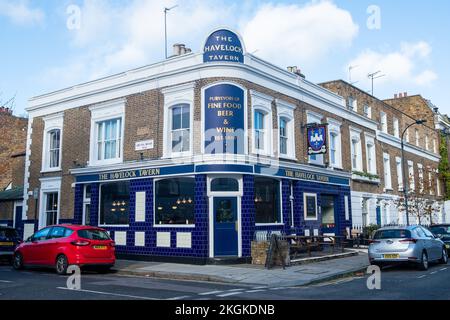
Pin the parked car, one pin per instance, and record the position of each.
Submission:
(63, 245)
(9, 239)
(442, 231)
(414, 244)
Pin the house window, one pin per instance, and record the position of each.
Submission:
(396, 128)
(368, 111)
(174, 201)
(267, 201)
(51, 208)
(430, 181)
(371, 155)
(283, 136)
(407, 137)
(181, 128)
(334, 129)
(115, 203)
(333, 150)
(54, 148)
(87, 205)
(434, 146)
(259, 130)
(438, 186)
(109, 139)
(352, 104)
(383, 121)
(412, 179)
(417, 137)
(356, 154)
(310, 206)
(427, 142)
(421, 178)
(387, 172)
(398, 162)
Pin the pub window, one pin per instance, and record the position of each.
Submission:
(310, 205)
(259, 130)
(174, 201)
(109, 137)
(283, 136)
(181, 129)
(224, 185)
(114, 203)
(54, 147)
(51, 208)
(267, 200)
(87, 205)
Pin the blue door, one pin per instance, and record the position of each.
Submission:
(379, 216)
(225, 226)
(330, 218)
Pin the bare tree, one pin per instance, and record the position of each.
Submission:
(420, 205)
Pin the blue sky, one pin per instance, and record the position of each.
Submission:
(409, 43)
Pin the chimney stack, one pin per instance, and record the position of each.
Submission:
(405, 94)
(396, 96)
(180, 49)
(296, 70)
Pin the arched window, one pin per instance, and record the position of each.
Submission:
(224, 185)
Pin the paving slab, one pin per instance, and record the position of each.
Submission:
(296, 275)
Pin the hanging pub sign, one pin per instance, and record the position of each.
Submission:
(223, 46)
(224, 116)
(317, 139)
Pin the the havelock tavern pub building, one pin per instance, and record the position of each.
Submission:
(192, 157)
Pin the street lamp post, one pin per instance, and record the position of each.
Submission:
(406, 174)
(165, 26)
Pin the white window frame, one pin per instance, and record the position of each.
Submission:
(286, 111)
(313, 117)
(107, 111)
(398, 162)
(396, 128)
(387, 172)
(417, 137)
(48, 185)
(52, 122)
(371, 153)
(355, 135)
(263, 104)
(435, 149)
(411, 173)
(383, 122)
(334, 129)
(368, 111)
(430, 181)
(352, 104)
(313, 195)
(420, 173)
(174, 96)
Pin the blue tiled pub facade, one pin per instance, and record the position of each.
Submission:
(193, 158)
(197, 242)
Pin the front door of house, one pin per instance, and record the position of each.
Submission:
(225, 226)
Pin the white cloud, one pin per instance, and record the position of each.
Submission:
(20, 12)
(299, 35)
(407, 66)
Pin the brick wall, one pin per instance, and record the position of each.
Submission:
(13, 133)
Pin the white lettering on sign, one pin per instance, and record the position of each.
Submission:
(145, 145)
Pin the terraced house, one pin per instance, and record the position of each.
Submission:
(377, 169)
(193, 157)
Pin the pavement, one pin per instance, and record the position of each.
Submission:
(296, 275)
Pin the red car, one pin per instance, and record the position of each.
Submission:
(64, 245)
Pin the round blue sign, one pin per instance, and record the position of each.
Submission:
(223, 46)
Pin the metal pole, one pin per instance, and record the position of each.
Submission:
(165, 29)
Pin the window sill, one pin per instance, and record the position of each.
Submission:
(51, 170)
(174, 226)
(269, 224)
(312, 219)
(104, 162)
(287, 157)
(114, 226)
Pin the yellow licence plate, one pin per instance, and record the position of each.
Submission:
(391, 256)
(6, 244)
(100, 247)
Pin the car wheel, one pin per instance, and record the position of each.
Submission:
(61, 265)
(18, 261)
(444, 258)
(424, 262)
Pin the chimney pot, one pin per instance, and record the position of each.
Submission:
(177, 47)
(396, 96)
(405, 94)
(400, 95)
